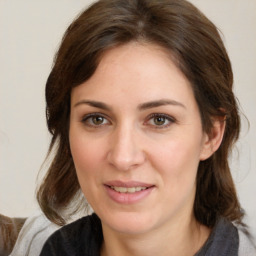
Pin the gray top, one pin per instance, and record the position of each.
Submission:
(84, 237)
(223, 240)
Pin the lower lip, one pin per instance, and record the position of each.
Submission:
(128, 198)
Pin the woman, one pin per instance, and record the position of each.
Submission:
(143, 117)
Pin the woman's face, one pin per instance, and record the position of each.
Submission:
(136, 139)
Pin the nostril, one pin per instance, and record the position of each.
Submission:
(125, 150)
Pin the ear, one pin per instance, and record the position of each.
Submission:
(212, 141)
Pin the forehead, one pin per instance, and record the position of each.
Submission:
(136, 70)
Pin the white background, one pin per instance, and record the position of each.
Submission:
(30, 32)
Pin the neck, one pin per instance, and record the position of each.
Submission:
(182, 238)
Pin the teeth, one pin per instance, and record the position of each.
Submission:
(128, 190)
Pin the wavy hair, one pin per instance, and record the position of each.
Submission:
(196, 48)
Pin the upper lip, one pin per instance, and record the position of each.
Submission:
(127, 184)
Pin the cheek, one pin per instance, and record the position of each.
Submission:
(177, 163)
(178, 154)
(81, 153)
(86, 156)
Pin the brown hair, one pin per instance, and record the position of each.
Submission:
(196, 48)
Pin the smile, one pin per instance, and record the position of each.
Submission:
(131, 192)
(128, 190)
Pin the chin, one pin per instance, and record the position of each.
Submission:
(128, 222)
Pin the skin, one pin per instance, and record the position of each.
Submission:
(122, 137)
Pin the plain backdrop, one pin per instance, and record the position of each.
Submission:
(30, 32)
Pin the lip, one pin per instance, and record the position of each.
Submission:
(128, 198)
(127, 184)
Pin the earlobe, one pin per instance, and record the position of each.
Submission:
(212, 141)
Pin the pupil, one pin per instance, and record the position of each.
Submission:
(159, 120)
(98, 120)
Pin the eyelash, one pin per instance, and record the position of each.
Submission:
(87, 120)
(166, 118)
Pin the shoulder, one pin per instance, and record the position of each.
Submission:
(246, 245)
(222, 241)
(33, 235)
(80, 236)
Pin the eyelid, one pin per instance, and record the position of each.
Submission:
(94, 114)
(168, 117)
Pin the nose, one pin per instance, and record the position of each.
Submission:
(126, 151)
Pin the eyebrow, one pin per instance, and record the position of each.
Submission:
(96, 104)
(143, 106)
(159, 103)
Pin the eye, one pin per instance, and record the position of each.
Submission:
(160, 120)
(95, 120)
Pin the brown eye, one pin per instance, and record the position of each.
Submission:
(160, 120)
(97, 120)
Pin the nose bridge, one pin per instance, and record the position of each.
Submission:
(126, 150)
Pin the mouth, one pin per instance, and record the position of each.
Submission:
(128, 192)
